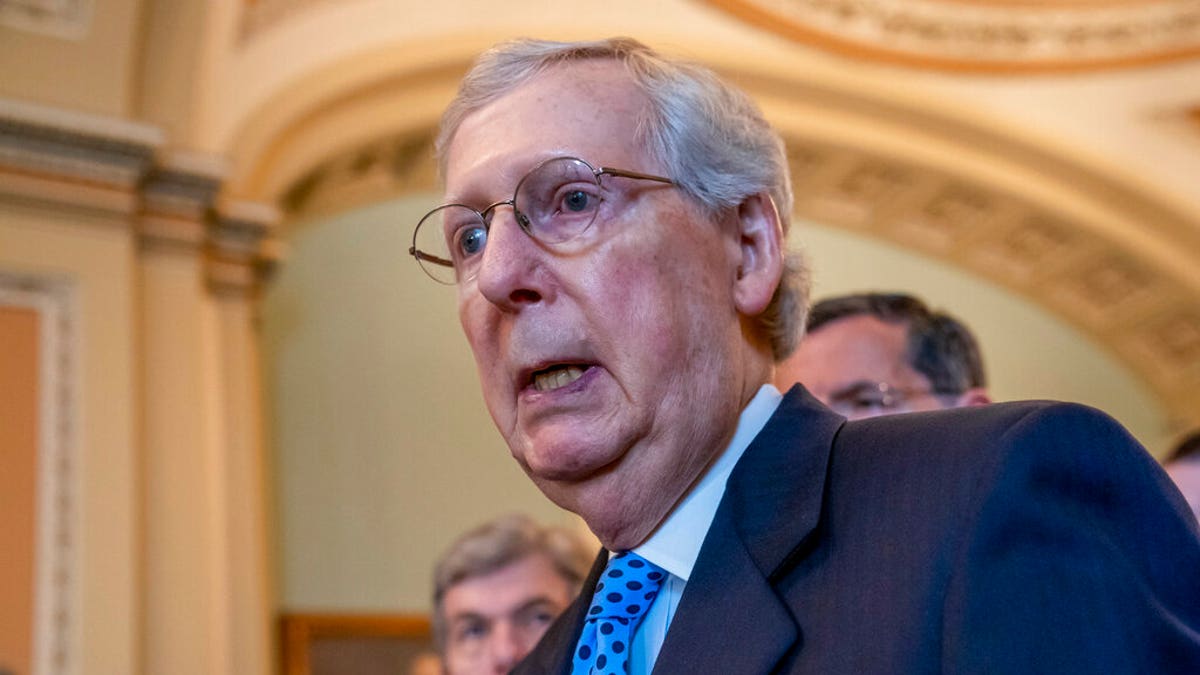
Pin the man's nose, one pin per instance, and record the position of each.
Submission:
(511, 271)
(507, 646)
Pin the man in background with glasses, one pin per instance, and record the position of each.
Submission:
(870, 354)
(615, 225)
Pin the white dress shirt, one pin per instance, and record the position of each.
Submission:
(675, 545)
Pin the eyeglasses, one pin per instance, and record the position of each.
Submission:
(868, 399)
(555, 202)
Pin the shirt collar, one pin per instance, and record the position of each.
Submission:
(675, 545)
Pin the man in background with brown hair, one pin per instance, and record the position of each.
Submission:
(870, 354)
(499, 587)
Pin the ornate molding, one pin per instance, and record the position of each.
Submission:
(241, 250)
(120, 170)
(985, 36)
(175, 201)
(370, 172)
(1147, 315)
(57, 575)
(48, 154)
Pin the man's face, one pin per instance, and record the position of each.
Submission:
(857, 366)
(494, 620)
(599, 357)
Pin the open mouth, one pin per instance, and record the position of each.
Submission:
(558, 376)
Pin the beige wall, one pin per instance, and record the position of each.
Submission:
(91, 69)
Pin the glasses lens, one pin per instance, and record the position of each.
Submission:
(559, 199)
(448, 241)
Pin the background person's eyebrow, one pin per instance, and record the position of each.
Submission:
(535, 603)
(468, 616)
(857, 387)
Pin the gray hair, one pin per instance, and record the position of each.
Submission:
(711, 137)
(499, 543)
(940, 347)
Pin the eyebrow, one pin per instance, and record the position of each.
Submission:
(533, 603)
(856, 387)
(525, 606)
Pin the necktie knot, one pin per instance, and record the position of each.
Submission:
(625, 591)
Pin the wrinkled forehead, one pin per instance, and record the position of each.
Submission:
(588, 109)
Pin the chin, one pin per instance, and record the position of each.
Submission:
(558, 456)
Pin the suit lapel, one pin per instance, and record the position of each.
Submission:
(775, 494)
(730, 619)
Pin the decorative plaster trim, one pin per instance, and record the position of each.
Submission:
(79, 124)
(102, 165)
(57, 569)
(985, 36)
(1122, 293)
(238, 253)
(66, 157)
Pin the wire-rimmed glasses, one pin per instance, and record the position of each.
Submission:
(555, 202)
(868, 399)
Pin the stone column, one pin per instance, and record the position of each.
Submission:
(239, 255)
(207, 601)
(186, 555)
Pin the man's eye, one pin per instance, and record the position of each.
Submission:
(536, 618)
(864, 403)
(470, 240)
(574, 199)
(470, 631)
(577, 201)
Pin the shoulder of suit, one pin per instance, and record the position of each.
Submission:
(977, 435)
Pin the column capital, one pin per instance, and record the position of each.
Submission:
(241, 249)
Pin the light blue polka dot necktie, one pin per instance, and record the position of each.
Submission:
(625, 591)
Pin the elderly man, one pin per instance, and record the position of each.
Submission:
(615, 225)
(498, 588)
(871, 354)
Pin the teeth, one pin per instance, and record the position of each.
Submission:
(557, 377)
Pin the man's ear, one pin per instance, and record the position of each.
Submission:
(760, 246)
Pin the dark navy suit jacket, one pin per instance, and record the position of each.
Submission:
(1029, 537)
